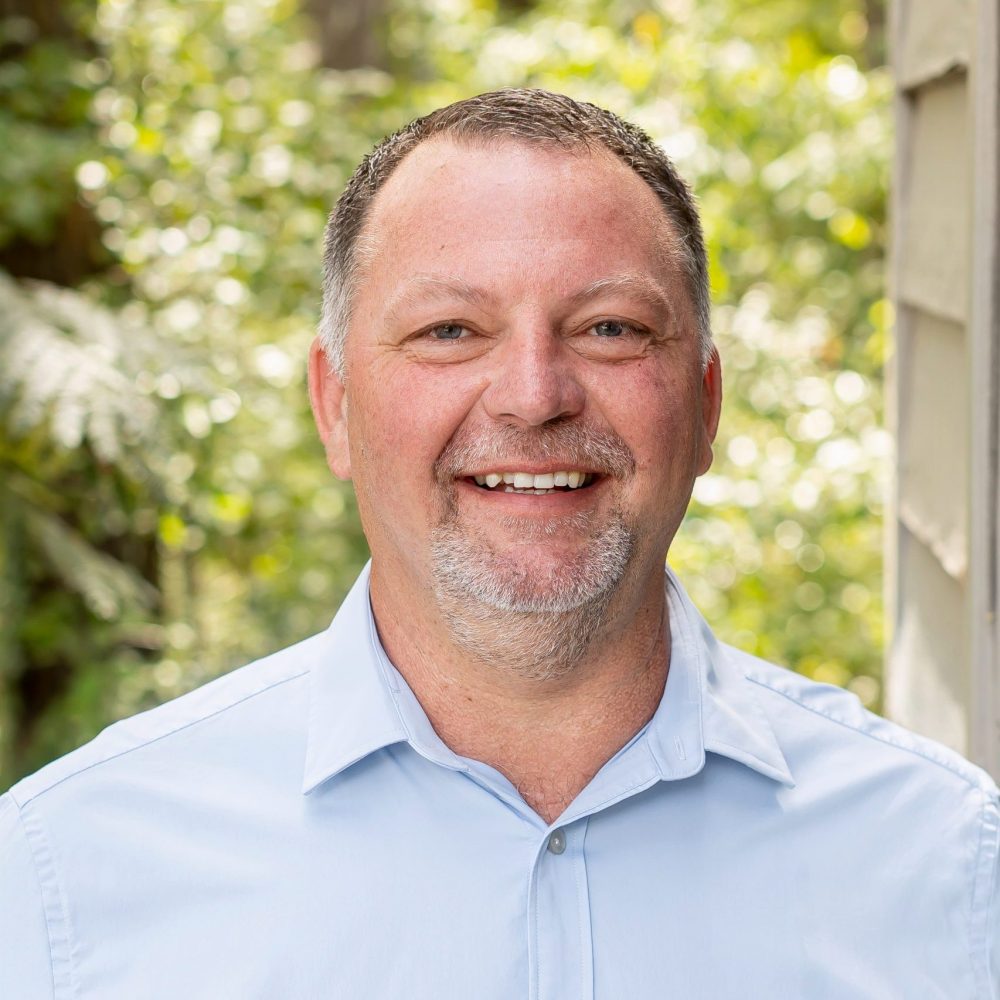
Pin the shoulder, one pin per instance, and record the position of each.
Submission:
(237, 703)
(815, 720)
(107, 829)
(858, 773)
(910, 813)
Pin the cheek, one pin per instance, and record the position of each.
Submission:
(400, 426)
(658, 414)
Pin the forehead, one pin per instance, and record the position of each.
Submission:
(477, 205)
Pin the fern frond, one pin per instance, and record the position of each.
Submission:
(66, 360)
(108, 586)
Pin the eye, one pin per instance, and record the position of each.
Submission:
(448, 331)
(447, 343)
(611, 328)
(613, 340)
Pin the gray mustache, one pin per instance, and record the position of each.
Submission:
(502, 446)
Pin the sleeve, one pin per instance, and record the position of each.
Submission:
(25, 966)
(986, 901)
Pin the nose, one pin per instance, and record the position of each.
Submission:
(534, 380)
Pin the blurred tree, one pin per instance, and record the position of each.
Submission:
(79, 580)
(45, 231)
(351, 34)
(76, 579)
(211, 145)
(781, 126)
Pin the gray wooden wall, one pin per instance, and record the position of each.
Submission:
(941, 676)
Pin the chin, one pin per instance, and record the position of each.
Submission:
(536, 616)
(536, 581)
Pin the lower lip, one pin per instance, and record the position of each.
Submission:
(523, 503)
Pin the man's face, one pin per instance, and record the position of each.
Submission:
(519, 315)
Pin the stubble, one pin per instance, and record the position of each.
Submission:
(537, 620)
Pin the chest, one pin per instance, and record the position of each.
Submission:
(411, 896)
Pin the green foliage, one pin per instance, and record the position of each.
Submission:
(81, 462)
(44, 103)
(773, 118)
(212, 147)
(66, 361)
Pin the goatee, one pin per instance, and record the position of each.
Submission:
(536, 620)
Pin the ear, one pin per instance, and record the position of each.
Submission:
(711, 406)
(329, 405)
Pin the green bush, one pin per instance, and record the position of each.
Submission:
(209, 144)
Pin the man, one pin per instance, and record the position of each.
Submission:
(518, 764)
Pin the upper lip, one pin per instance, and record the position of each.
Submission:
(532, 468)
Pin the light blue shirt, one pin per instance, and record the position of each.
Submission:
(297, 830)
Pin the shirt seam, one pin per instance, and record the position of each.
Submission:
(534, 974)
(63, 971)
(155, 739)
(579, 874)
(981, 897)
(972, 783)
(381, 664)
(586, 917)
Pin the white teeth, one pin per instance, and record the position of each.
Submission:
(543, 482)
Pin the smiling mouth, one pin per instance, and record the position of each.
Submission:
(534, 484)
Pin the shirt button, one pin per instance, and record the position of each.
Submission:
(557, 841)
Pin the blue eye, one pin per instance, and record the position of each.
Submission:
(447, 331)
(610, 328)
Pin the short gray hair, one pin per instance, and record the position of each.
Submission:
(529, 116)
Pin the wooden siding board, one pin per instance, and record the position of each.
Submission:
(899, 194)
(934, 439)
(984, 379)
(928, 676)
(935, 38)
(933, 248)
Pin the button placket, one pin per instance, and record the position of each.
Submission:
(561, 948)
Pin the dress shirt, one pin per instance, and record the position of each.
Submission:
(296, 829)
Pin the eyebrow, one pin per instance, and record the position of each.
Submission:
(428, 288)
(635, 286)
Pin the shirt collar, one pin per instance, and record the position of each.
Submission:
(352, 711)
(357, 705)
(711, 689)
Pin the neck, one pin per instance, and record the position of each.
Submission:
(549, 734)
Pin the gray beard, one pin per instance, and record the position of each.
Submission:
(539, 624)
